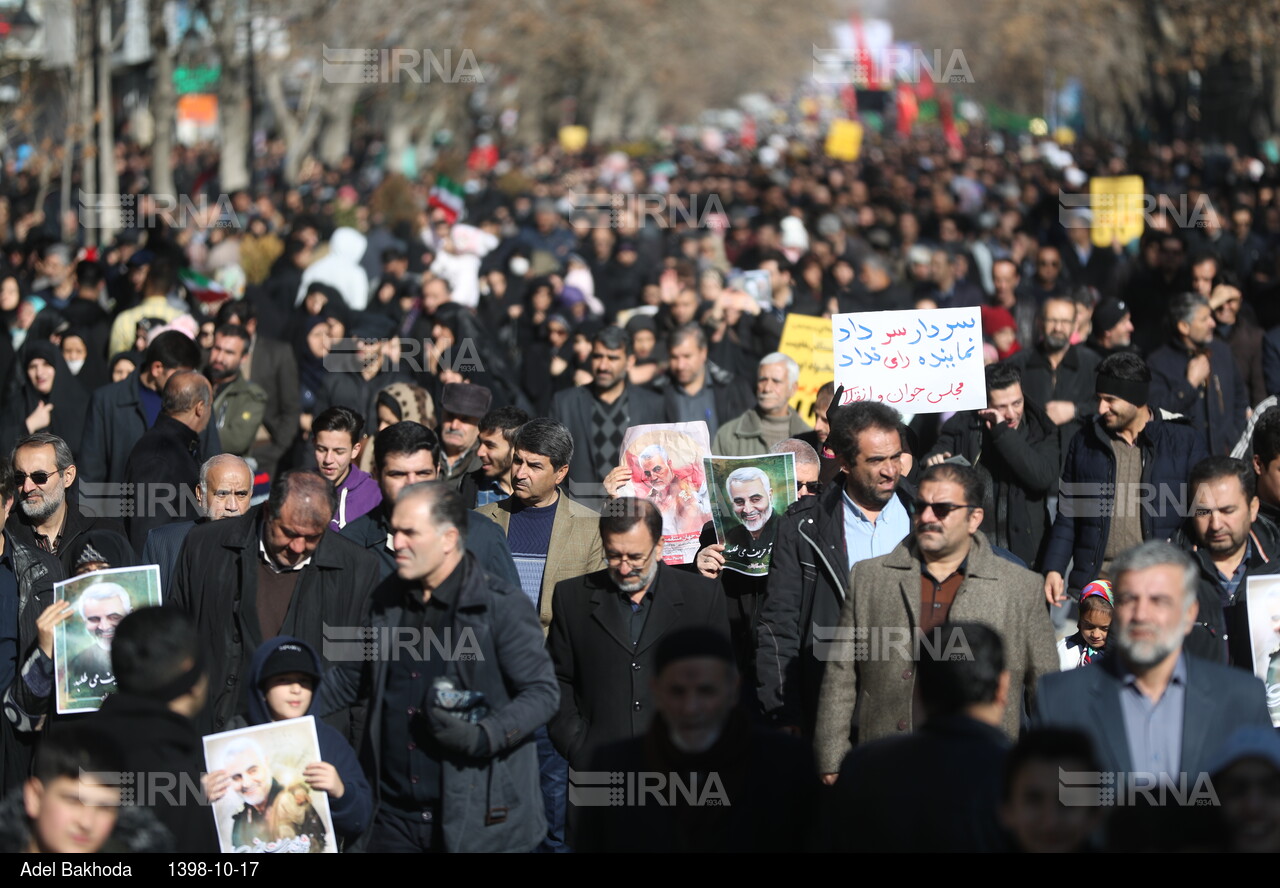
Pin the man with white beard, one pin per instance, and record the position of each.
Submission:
(751, 497)
(1152, 710)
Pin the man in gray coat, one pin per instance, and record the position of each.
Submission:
(453, 694)
(946, 571)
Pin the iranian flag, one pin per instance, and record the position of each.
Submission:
(448, 196)
(202, 288)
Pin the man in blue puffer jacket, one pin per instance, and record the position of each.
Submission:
(1124, 480)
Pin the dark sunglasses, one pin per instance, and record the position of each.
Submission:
(41, 478)
(814, 487)
(942, 510)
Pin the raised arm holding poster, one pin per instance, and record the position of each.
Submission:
(919, 361)
(665, 462)
(82, 645)
(748, 495)
(268, 807)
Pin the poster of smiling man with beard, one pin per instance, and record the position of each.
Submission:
(268, 807)
(748, 494)
(82, 642)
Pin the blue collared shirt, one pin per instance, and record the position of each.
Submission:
(1229, 585)
(866, 539)
(1154, 729)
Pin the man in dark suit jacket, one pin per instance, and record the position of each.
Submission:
(120, 413)
(597, 414)
(937, 789)
(1186, 707)
(276, 571)
(694, 389)
(164, 468)
(606, 626)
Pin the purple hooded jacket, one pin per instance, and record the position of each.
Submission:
(357, 494)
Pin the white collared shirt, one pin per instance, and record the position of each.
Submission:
(275, 565)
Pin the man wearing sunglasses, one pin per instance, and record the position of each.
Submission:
(43, 471)
(743, 593)
(946, 571)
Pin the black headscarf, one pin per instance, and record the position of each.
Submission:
(70, 400)
(94, 374)
(310, 368)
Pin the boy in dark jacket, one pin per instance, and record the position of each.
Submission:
(284, 674)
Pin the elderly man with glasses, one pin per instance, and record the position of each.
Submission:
(605, 629)
(945, 571)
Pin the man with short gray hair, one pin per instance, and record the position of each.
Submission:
(1152, 709)
(224, 491)
(773, 419)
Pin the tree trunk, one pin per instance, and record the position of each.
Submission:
(110, 220)
(164, 104)
(339, 104)
(88, 150)
(235, 127)
(298, 135)
(643, 124)
(529, 130)
(606, 113)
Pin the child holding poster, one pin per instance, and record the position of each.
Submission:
(285, 672)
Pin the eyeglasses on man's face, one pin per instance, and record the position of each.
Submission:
(617, 559)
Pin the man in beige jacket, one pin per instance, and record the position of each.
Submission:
(945, 572)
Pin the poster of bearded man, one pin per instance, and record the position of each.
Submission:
(98, 601)
(665, 462)
(748, 496)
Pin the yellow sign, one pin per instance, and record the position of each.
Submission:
(573, 138)
(1117, 204)
(808, 342)
(844, 140)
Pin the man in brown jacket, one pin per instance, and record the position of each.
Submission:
(552, 538)
(946, 571)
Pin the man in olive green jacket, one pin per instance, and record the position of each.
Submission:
(946, 571)
(772, 419)
(238, 404)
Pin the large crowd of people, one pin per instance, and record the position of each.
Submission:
(370, 405)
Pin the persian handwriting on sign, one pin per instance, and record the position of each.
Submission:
(98, 678)
(906, 394)
(918, 360)
(287, 845)
(943, 357)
